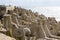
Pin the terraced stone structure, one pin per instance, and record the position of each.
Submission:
(22, 24)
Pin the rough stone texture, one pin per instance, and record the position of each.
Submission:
(4, 37)
(17, 18)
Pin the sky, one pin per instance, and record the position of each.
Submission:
(50, 8)
(31, 3)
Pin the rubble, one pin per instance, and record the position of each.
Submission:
(22, 24)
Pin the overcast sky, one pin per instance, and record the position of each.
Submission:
(31, 3)
(46, 7)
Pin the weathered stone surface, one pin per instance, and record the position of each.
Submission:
(4, 37)
(39, 26)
